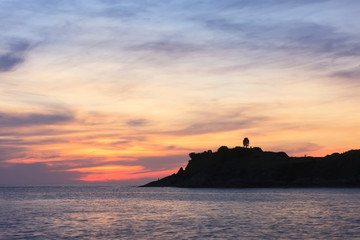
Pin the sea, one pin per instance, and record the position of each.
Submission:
(113, 211)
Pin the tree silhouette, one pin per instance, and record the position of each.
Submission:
(246, 142)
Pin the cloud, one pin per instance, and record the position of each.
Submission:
(168, 47)
(36, 173)
(23, 142)
(264, 3)
(8, 62)
(216, 125)
(297, 147)
(137, 122)
(292, 36)
(124, 9)
(353, 74)
(147, 164)
(10, 152)
(218, 7)
(31, 119)
(119, 13)
(19, 46)
(36, 132)
(64, 163)
(14, 56)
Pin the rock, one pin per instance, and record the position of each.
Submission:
(252, 167)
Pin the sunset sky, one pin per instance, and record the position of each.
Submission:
(105, 90)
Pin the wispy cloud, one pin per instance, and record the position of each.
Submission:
(223, 120)
(31, 119)
(36, 173)
(218, 126)
(296, 148)
(10, 151)
(351, 75)
(168, 48)
(35, 132)
(36, 142)
(300, 37)
(122, 9)
(231, 4)
(137, 122)
(14, 54)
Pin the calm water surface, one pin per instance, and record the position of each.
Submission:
(117, 212)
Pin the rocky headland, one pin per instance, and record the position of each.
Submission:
(242, 167)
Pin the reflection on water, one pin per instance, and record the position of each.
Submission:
(113, 212)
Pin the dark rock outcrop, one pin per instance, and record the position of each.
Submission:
(252, 167)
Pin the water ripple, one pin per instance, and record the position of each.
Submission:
(113, 212)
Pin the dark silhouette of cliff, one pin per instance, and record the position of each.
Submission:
(252, 167)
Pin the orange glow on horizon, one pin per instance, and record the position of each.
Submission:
(118, 173)
(114, 168)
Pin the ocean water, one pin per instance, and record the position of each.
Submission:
(118, 212)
